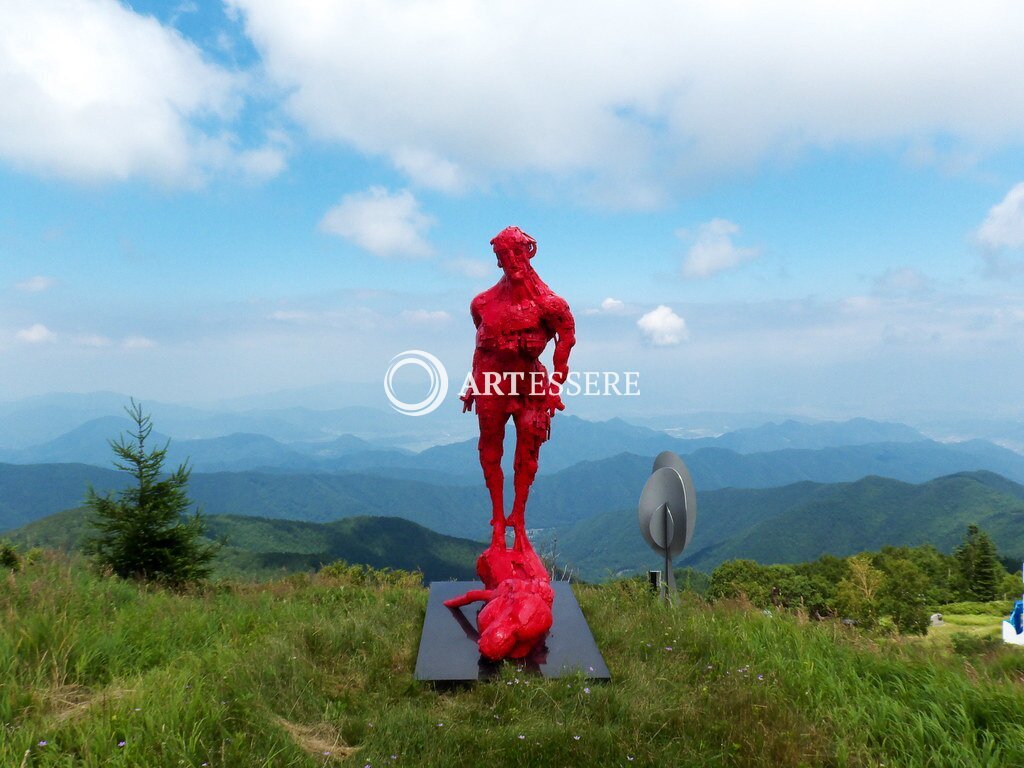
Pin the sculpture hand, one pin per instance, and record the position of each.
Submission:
(554, 402)
(467, 401)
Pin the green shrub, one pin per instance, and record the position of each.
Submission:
(9, 557)
(967, 644)
(349, 574)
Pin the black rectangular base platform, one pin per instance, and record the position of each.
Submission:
(448, 650)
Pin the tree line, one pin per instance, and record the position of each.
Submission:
(893, 589)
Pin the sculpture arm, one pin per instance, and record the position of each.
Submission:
(560, 320)
(472, 596)
(467, 397)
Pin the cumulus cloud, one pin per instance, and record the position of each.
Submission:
(36, 334)
(93, 91)
(380, 222)
(428, 170)
(138, 342)
(610, 306)
(426, 316)
(900, 281)
(1004, 225)
(289, 315)
(713, 250)
(36, 284)
(92, 340)
(476, 269)
(663, 327)
(481, 85)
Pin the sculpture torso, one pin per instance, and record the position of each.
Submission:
(512, 331)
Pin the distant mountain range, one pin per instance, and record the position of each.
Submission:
(38, 420)
(572, 440)
(793, 523)
(259, 547)
(457, 504)
(800, 522)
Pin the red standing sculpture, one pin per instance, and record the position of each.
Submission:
(515, 319)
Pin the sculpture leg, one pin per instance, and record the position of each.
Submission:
(492, 446)
(531, 431)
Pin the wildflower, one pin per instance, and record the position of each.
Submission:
(440, 725)
(668, 647)
(120, 744)
(576, 738)
(43, 743)
(586, 690)
(630, 758)
(521, 736)
(760, 677)
(394, 757)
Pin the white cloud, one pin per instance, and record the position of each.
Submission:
(476, 269)
(1004, 225)
(663, 327)
(138, 342)
(37, 334)
(713, 250)
(900, 281)
(428, 170)
(609, 306)
(36, 284)
(289, 315)
(92, 340)
(382, 223)
(93, 91)
(510, 88)
(426, 316)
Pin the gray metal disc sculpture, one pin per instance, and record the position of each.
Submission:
(668, 510)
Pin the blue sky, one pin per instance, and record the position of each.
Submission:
(803, 208)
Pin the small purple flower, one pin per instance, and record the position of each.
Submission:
(586, 690)
(668, 647)
(43, 743)
(760, 677)
(120, 744)
(521, 736)
(576, 738)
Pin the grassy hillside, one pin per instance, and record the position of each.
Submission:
(263, 547)
(313, 671)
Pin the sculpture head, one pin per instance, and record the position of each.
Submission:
(514, 249)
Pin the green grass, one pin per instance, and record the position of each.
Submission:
(281, 673)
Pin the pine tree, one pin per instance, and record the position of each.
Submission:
(143, 533)
(980, 572)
